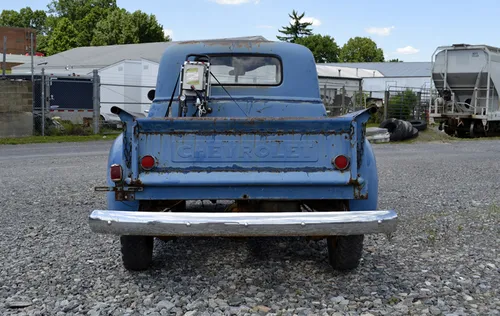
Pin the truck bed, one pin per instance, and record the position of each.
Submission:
(245, 158)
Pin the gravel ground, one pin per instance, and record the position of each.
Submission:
(444, 259)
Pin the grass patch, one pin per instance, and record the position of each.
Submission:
(62, 131)
(430, 135)
(54, 139)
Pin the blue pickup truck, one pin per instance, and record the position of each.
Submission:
(241, 121)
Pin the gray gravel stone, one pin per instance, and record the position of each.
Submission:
(166, 305)
(443, 260)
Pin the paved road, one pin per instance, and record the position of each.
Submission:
(443, 260)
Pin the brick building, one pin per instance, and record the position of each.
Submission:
(18, 40)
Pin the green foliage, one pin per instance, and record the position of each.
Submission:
(395, 60)
(115, 29)
(122, 27)
(77, 10)
(324, 48)
(359, 98)
(296, 29)
(87, 25)
(68, 128)
(76, 23)
(11, 18)
(402, 104)
(26, 17)
(54, 139)
(148, 28)
(361, 49)
(64, 37)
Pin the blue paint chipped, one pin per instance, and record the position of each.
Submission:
(282, 136)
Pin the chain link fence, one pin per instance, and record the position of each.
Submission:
(39, 116)
(81, 105)
(341, 96)
(406, 103)
(76, 104)
(64, 105)
(16, 107)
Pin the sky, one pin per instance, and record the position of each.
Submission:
(404, 29)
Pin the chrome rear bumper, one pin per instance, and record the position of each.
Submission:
(242, 224)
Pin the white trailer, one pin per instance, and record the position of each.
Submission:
(466, 79)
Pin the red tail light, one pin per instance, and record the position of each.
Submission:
(148, 162)
(116, 173)
(341, 162)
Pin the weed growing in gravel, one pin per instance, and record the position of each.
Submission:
(494, 209)
(431, 236)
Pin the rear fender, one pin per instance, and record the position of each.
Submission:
(116, 157)
(367, 166)
(368, 170)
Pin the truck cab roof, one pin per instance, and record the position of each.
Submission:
(294, 78)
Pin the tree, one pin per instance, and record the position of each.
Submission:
(122, 27)
(26, 17)
(148, 28)
(296, 28)
(116, 29)
(395, 60)
(76, 10)
(361, 49)
(34, 19)
(64, 37)
(42, 38)
(88, 24)
(83, 14)
(324, 48)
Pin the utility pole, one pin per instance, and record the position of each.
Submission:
(42, 87)
(96, 98)
(32, 62)
(33, 94)
(4, 64)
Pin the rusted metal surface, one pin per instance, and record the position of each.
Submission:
(240, 43)
(259, 133)
(251, 126)
(269, 148)
(199, 132)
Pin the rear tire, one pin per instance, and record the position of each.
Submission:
(398, 129)
(344, 252)
(137, 252)
(415, 133)
(420, 125)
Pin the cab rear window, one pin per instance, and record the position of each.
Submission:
(244, 70)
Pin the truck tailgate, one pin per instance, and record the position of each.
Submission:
(272, 153)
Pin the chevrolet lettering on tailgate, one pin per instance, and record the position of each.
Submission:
(248, 151)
